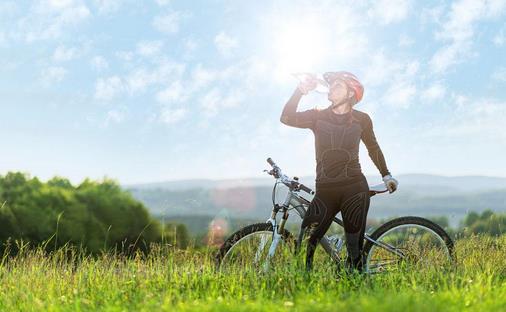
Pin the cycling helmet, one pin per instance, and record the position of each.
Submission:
(350, 80)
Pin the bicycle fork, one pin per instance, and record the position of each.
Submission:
(276, 236)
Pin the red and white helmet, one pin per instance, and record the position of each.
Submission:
(350, 80)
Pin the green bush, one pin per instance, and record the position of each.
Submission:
(94, 215)
(488, 222)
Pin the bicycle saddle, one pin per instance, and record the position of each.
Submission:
(376, 189)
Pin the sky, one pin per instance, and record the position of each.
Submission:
(147, 91)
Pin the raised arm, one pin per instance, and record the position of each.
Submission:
(291, 117)
(373, 148)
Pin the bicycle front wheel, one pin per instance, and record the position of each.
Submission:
(251, 248)
(407, 243)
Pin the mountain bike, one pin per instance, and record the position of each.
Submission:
(396, 244)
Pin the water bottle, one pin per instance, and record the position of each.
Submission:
(321, 84)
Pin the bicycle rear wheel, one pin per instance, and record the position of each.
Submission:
(248, 249)
(407, 243)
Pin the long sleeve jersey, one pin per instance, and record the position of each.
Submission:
(336, 141)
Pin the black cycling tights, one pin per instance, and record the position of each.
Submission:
(353, 202)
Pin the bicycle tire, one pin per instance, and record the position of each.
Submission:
(410, 220)
(245, 232)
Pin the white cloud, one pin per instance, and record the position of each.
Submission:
(169, 22)
(213, 101)
(459, 28)
(149, 48)
(411, 68)
(172, 115)
(405, 40)
(225, 44)
(49, 19)
(53, 75)
(125, 56)
(175, 92)
(450, 55)
(434, 92)
(3, 39)
(432, 15)
(190, 45)
(499, 75)
(393, 79)
(114, 117)
(107, 89)
(473, 119)
(400, 95)
(233, 99)
(201, 76)
(108, 6)
(460, 100)
(499, 38)
(162, 2)
(381, 70)
(63, 54)
(99, 63)
(390, 11)
(164, 72)
(138, 79)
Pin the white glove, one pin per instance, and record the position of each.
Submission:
(390, 183)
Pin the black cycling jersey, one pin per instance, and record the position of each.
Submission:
(336, 141)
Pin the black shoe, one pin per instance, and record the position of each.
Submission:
(355, 265)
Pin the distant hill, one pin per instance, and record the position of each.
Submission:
(418, 194)
(424, 182)
(180, 185)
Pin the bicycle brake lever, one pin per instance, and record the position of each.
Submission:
(269, 172)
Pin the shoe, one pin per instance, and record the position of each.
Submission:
(355, 265)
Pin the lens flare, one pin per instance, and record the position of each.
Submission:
(237, 199)
(218, 229)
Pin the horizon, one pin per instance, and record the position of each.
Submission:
(232, 179)
(162, 91)
(312, 176)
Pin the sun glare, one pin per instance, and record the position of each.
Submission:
(299, 47)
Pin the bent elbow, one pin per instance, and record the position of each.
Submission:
(284, 120)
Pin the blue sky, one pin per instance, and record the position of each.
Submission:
(145, 91)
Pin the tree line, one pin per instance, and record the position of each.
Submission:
(94, 215)
(487, 222)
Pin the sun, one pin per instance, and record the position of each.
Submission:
(299, 46)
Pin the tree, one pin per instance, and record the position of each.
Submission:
(95, 214)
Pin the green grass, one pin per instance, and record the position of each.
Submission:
(169, 279)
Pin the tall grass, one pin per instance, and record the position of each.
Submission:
(169, 279)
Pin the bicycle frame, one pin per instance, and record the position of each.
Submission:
(295, 202)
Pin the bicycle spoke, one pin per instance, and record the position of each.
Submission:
(263, 241)
(418, 247)
(252, 253)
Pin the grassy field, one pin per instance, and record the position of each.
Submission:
(169, 279)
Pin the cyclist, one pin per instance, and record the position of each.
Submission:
(340, 184)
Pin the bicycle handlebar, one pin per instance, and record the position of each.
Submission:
(269, 160)
(291, 183)
(306, 189)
